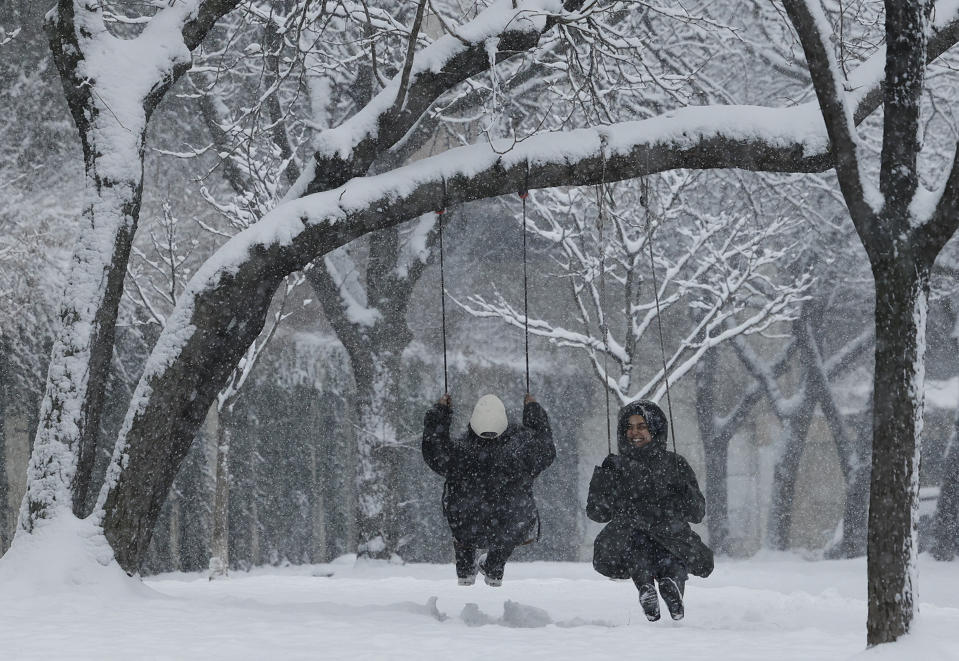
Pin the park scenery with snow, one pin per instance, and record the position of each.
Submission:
(226, 303)
(59, 601)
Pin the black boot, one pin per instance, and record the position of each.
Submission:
(649, 600)
(671, 590)
(492, 575)
(494, 563)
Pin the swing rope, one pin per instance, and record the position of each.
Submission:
(523, 195)
(604, 326)
(439, 214)
(644, 201)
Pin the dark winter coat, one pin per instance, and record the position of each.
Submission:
(488, 495)
(649, 490)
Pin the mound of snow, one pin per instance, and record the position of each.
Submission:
(64, 555)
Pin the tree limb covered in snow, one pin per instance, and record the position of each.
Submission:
(348, 150)
(813, 28)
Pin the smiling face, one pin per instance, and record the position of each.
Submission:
(637, 431)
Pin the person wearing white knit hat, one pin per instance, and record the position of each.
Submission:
(489, 417)
(489, 471)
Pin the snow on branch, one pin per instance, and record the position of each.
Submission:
(7, 37)
(350, 148)
(814, 31)
(352, 295)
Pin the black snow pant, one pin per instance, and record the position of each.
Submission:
(652, 561)
(496, 558)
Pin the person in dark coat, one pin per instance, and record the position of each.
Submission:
(648, 496)
(489, 471)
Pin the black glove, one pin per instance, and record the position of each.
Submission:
(612, 462)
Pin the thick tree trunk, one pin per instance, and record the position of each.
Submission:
(377, 459)
(133, 497)
(220, 541)
(901, 300)
(62, 460)
(65, 446)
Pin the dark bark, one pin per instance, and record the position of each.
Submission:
(901, 253)
(190, 387)
(906, 64)
(717, 494)
(830, 91)
(716, 440)
(902, 286)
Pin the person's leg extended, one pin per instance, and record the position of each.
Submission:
(671, 576)
(645, 556)
(465, 562)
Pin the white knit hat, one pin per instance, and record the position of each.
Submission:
(489, 417)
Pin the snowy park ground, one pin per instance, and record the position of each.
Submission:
(56, 604)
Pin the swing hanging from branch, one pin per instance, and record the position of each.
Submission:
(440, 213)
(601, 193)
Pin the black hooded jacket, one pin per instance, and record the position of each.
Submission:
(648, 489)
(488, 495)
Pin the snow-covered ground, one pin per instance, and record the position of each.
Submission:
(56, 604)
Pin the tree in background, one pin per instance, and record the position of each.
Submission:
(38, 172)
